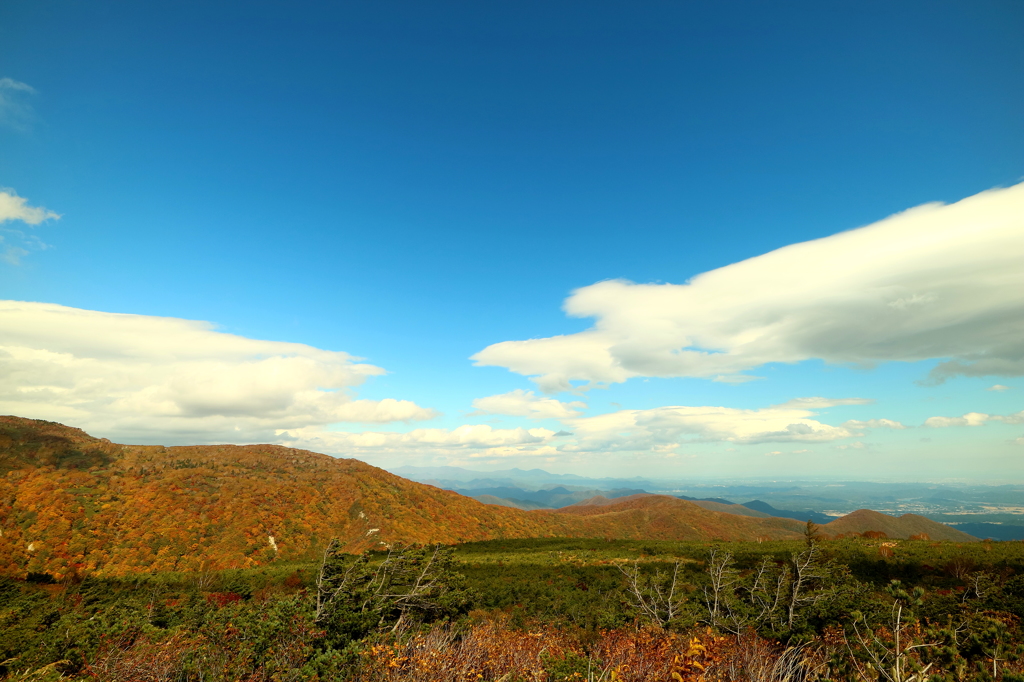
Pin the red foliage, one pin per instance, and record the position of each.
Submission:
(223, 598)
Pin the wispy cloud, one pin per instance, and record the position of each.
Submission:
(818, 403)
(15, 110)
(135, 376)
(735, 378)
(974, 419)
(520, 403)
(858, 425)
(13, 207)
(16, 244)
(905, 288)
(998, 387)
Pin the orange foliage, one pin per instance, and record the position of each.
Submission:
(491, 651)
(70, 503)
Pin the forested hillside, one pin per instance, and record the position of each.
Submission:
(903, 527)
(72, 503)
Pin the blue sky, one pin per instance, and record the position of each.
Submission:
(414, 183)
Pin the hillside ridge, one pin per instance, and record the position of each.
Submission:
(896, 527)
(70, 503)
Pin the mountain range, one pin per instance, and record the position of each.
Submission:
(73, 503)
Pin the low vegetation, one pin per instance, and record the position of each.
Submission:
(546, 609)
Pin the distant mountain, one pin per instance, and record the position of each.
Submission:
(729, 508)
(70, 502)
(719, 500)
(902, 527)
(765, 508)
(508, 502)
(549, 498)
(532, 479)
(664, 517)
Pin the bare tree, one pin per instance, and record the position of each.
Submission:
(718, 594)
(775, 595)
(766, 594)
(891, 653)
(408, 582)
(806, 568)
(659, 597)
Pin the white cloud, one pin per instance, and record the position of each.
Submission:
(855, 445)
(16, 244)
(974, 419)
(13, 207)
(666, 428)
(659, 431)
(969, 419)
(857, 425)
(932, 282)
(998, 387)
(818, 403)
(382, 411)
(459, 444)
(520, 403)
(128, 376)
(15, 111)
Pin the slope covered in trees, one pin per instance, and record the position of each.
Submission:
(72, 503)
(902, 527)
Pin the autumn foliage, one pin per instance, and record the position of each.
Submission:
(73, 504)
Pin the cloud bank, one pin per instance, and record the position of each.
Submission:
(664, 429)
(936, 281)
(136, 376)
(657, 432)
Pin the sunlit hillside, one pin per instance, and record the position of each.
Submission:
(71, 502)
(905, 526)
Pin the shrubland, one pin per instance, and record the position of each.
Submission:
(545, 609)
